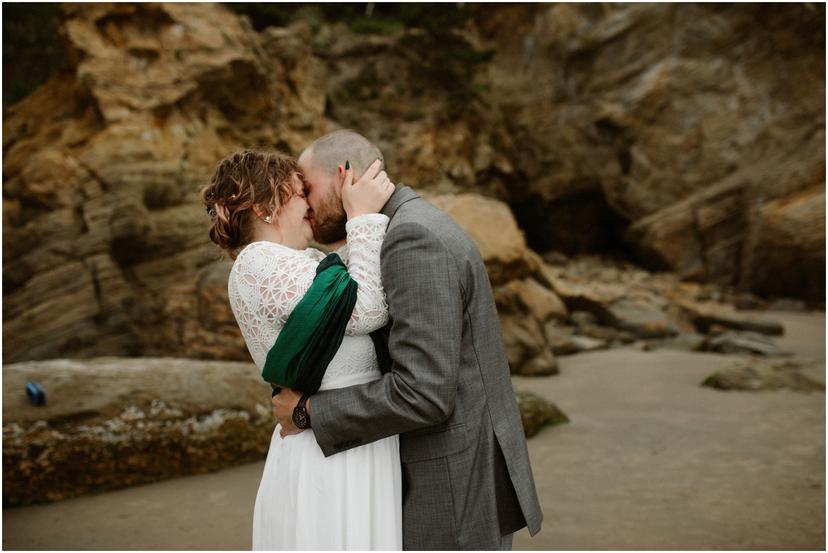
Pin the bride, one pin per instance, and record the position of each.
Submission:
(352, 500)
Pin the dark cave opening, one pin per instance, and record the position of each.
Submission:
(579, 223)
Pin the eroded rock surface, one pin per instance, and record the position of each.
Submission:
(115, 422)
(755, 373)
(571, 121)
(670, 125)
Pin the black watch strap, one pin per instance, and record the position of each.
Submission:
(301, 418)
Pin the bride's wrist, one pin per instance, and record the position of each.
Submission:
(358, 213)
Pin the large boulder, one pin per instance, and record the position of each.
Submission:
(699, 237)
(775, 247)
(529, 296)
(789, 251)
(524, 304)
(115, 422)
(492, 226)
(527, 346)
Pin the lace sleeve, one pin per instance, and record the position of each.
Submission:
(268, 280)
(344, 253)
(365, 235)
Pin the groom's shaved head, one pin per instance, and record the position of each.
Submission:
(319, 165)
(333, 149)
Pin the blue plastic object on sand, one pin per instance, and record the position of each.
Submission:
(36, 393)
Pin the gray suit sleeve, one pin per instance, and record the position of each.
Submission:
(425, 302)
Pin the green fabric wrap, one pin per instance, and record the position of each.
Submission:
(314, 330)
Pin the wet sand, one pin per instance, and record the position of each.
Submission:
(649, 460)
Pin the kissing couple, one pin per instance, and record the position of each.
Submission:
(397, 426)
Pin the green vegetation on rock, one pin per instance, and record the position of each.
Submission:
(536, 413)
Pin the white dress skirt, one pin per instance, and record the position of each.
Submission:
(351, 500)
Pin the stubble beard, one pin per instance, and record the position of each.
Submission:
(328, 222)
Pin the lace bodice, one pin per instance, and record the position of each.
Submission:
(268, 280)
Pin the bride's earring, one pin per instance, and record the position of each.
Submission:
(267, 219)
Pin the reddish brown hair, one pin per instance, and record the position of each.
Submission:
(240, 181)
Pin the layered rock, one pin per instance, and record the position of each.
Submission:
(680, 120)
(615, 303)
(707, 314)
(790, 245)
(105, 240)
(730, 341)
(586, 119)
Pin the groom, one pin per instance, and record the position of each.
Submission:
(467, 482)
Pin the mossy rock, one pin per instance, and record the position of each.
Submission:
(537, 413)
(111, 422)
(756, 373)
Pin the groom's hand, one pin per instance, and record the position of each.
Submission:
(283, 404)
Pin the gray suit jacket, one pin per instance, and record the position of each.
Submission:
(465, 465)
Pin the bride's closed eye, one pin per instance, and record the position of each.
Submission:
(305, 190)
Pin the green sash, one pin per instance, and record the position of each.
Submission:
(314, 330)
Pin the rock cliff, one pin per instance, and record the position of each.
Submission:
(689, 136)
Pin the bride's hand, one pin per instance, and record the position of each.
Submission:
(367, 195)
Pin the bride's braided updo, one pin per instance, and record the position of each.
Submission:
(240, 181)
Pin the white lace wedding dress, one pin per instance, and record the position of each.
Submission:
(353, 499)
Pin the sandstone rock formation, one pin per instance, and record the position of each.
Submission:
(670, 125)
(681, 120)
(494, 230)
(790, 252)
(105, 241)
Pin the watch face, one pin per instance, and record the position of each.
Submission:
(300, 419)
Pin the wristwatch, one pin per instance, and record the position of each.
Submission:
(301, 418)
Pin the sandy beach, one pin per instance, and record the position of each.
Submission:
(649, 460)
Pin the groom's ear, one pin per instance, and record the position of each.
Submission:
(340, 177)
